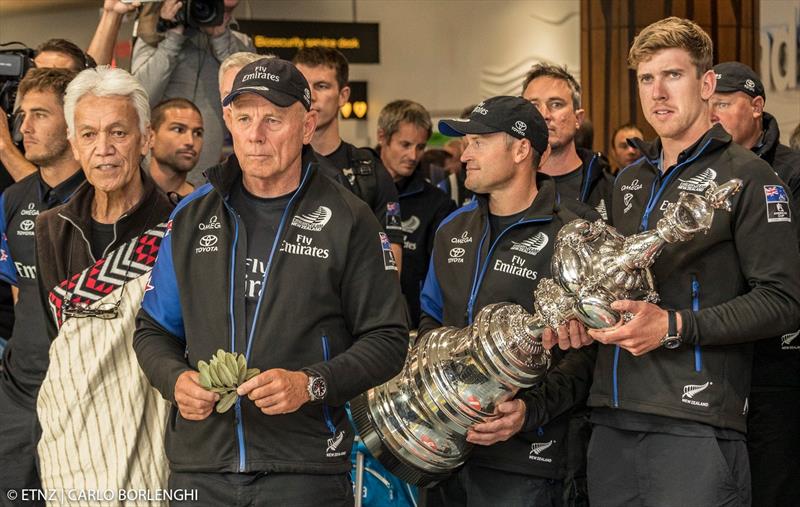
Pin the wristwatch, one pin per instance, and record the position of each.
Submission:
(672, 340)
(317, 387)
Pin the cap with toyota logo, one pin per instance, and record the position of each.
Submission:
(276, 80)
(515, 116)
(738, 77)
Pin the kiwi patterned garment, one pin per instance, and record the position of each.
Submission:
(102, 423)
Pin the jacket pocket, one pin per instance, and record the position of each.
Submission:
(698, 355)
(326, 411)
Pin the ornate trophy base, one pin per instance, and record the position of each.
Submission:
(372, 437)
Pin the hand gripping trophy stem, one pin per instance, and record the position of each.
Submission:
(416, 424)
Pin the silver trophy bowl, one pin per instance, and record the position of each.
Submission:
(416, 423)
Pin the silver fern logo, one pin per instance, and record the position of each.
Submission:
(532, 245)
(313, 221)
(692, 390)
(788, 339)
(698, 183)
(333, 446)
(537, 448)
(410, 225)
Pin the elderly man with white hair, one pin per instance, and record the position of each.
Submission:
(102, 424)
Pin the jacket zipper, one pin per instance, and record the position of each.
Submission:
(479, 279)
(237, 409)
(588, 177)
(651, 203)
(698, 357)
(325, 410)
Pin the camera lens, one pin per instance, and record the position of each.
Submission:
(203, 11)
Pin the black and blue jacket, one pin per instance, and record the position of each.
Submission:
(738, 283)
(25, 359)
(422, 207)
(468, 273)
(597, 182)
(330, 302)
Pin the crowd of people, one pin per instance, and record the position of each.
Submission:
(134, 249)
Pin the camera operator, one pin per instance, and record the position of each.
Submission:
(185, 64)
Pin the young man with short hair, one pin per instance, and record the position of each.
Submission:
(671, 385)
(177, 127)
(327, 72)
(498, 248)
(25, 359)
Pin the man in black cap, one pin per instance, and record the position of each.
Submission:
(738, 105)
(309, 294)
(495, 249)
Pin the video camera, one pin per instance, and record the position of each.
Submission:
(197, 14)
(14, 63)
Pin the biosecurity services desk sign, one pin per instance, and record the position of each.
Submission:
(357, 41)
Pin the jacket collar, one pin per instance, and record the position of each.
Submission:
(79, 208)
(712, 140)
(544, 205)
(223, 176)
(412, 185)
(61, 193)
(596, 161)
(771, 140)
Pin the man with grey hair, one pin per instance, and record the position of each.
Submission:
(311, 300)
(102, 424)
(578, 173)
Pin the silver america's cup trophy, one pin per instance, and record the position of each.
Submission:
(416, 424)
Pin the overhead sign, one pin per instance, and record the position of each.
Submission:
(357, 41)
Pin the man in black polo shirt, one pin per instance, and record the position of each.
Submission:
(362, 172)
(25, 359)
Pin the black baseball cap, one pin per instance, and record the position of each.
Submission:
(738, 77)
(276, 80)
(515, 116)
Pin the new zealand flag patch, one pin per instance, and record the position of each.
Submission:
(778, 209)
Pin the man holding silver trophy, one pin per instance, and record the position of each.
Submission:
(671, 384)
(497, 249)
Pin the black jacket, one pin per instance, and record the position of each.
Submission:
(468, 273)
(776, 362)
(729, 286)
(596, 182)
(25, 359)
(330, 301)
(423, 207)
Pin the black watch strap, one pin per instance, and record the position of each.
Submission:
(672, 323)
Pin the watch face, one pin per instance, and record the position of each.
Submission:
(671, 342)
(318, 388)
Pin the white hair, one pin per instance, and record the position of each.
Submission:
(106, 82)
(239, 60)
